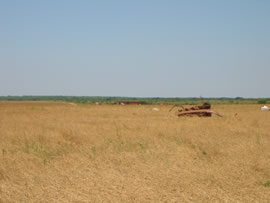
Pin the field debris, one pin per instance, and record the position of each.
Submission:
(155, 109)
(203, 110)
(265, 108)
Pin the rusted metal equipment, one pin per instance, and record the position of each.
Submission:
(203, 110)
(200, 113)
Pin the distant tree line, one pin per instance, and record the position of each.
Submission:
(152, 100)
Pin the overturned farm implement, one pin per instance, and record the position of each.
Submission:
(203, 110)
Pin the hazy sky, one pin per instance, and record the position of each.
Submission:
(145, 48)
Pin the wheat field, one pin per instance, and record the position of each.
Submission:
(62, 152)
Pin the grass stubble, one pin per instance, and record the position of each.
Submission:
(57, 152)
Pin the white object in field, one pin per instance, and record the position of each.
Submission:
(155, 109)
(265, 108)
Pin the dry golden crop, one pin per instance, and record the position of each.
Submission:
(60, 152)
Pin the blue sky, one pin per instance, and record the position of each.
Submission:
(143, 48)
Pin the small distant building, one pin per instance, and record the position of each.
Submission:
(131, 102)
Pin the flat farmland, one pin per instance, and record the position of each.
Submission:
(62, 152)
